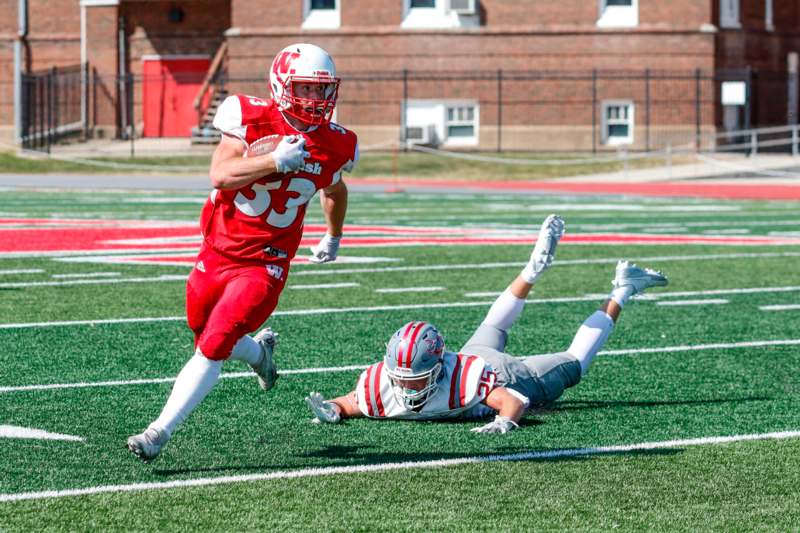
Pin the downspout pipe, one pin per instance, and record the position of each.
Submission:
(22, 34)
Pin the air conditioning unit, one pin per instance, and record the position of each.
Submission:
(464, 7)
(420, 134)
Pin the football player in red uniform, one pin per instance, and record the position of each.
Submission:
(419, 380)
(275, 154)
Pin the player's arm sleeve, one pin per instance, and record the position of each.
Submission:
(359, 392)
(228, 119)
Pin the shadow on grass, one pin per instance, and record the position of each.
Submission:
(597, 404)
(344, 456)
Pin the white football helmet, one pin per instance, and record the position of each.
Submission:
(414, 353)
(304, 63)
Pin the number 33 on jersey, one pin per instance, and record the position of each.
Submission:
(265, 218)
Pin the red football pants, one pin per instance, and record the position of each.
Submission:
(226, 299)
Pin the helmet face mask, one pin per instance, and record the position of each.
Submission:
(300, 65)
(416, 395)
(414, 363)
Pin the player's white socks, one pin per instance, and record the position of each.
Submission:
(504, 311)
(194, 382)
(621, 294)
(247, 349)
(590, 338)
(528, 274)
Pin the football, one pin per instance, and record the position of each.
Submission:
(262, 146)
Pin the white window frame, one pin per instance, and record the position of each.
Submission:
(606, 122)
(475, 123)
(322, 18)
(769, 15)
(617, 16)
(439, 16)
(730, 12)
(432, 115)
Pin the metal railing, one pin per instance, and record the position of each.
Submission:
(54, 105)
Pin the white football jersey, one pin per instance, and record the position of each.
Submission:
(465, 381)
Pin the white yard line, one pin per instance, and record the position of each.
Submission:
(92, 322)
(538, 455)
(163, 277)
(730, 231)
(719, 223)
(752, 290)
(87, 275)
(21, 271)
(700, 347)
(392, 290)
(18, 432)
(559, 263)
(710, 301)
(420, 268)
(791, 307)
(325, 286)
(349, 368)
(325, 311)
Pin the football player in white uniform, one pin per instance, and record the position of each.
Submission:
(419, 380)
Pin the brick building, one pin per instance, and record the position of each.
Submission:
(521, 74)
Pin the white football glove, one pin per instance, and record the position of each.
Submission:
(501, 424)
(290, 153)
(323, 410)
(326, 250)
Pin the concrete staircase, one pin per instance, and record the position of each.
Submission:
(205, 132)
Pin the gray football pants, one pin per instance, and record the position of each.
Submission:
(540, 378)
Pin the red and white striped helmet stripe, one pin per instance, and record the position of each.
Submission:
(405, 344)
(409, 339)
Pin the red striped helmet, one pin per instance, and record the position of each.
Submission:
(414, 362)
(304, 63)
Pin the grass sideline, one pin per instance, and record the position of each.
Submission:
(372, 164)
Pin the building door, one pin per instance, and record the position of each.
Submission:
(169, 87)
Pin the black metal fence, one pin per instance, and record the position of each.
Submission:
(516, 110)
(563, 110)
(53, 105)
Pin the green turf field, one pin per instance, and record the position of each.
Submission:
(713, 356)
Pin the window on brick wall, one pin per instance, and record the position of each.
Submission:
(448, 122)
(321, 14)
(617, 13)
(617, 122)
(440, 14)
(461, 124)
(729, 14)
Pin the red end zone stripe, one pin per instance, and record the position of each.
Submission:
(377, 389)
(694, 190)
(464, 378)
(367, 397)
(584, 238)
(454, 382)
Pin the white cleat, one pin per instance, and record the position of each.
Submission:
(265, 369)
(147, 445)
(545, 250)
(638, 278)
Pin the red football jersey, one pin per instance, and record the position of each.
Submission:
(264, 220)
